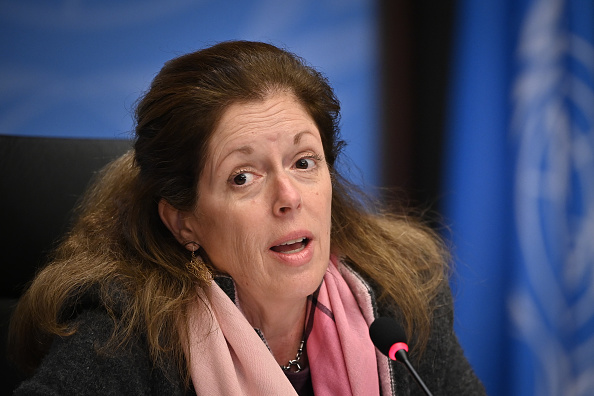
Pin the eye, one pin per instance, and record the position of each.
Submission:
(305, 163)
(242, 178)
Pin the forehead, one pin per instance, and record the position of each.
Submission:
(278, 115)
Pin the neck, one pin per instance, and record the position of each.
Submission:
(281, 323)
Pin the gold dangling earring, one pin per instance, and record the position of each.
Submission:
(196, 265)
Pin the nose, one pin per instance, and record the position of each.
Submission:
(287, 196)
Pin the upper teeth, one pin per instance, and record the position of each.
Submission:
(294, 241)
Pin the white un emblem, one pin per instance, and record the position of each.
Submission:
(552, 307)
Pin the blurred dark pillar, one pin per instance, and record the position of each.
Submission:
(415, 46)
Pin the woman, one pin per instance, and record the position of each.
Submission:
(229, 216)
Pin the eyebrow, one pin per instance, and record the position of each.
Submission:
(243, 149)
(249, 149)
(298, 137)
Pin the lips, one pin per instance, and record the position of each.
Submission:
(291, 246)
(294, 249)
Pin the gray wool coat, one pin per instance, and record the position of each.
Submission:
(73, 365)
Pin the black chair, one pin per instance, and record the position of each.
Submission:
(41, 180)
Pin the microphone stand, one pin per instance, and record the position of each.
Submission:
(403, 358)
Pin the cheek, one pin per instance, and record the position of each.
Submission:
(229, 237)
(325, 199)
(329, 214)
(322, 209)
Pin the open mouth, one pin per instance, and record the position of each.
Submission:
(292, 246)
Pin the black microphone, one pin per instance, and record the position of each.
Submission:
(389, 338)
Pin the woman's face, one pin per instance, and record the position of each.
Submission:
(264, 199)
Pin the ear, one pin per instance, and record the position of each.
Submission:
(178, 222)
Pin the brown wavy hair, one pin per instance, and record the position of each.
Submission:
(119, 250)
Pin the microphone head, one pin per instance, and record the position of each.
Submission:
(385, 332)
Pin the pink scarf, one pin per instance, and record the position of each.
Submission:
(231, 359)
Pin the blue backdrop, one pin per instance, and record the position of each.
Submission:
(75, 68)
(520, 151)
(519, 189)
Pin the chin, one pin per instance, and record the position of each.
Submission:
(316, 278)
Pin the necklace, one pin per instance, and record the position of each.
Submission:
(297, 361)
